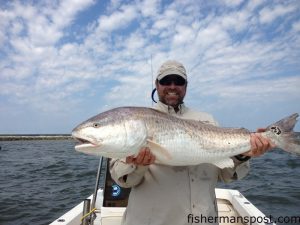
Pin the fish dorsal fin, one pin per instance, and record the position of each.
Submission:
(159, 151)
(223, 163)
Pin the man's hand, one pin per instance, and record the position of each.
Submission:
(144, 158)
(259, 144)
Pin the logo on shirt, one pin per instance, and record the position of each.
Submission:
(116, 190)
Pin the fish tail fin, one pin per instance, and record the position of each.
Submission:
(288, 139)
(292, 142)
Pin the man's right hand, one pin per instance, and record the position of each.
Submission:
(144, 158)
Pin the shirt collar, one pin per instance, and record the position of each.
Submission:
(169, 109)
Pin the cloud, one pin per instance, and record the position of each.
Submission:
(150, 7)
(268, 15)
(51, 61)
(233, 3)
(32, 60)
(296, 26)
(118, 19)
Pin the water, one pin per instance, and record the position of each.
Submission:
(41, 180)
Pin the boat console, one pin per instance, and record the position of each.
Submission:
(113, 194)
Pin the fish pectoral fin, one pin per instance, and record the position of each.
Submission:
(223, 163)
(159, 151)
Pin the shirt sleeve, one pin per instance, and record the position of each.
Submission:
(126, 175)
(239, 171)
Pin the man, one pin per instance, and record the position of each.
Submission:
(163, 195)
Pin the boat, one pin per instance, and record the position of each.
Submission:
(107, 205)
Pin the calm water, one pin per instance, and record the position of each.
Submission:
(41, 180)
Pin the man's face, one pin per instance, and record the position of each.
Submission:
(171, 90)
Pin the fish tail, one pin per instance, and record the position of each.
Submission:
(288, 140)
(292, 142)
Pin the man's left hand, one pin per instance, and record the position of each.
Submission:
(259, 144)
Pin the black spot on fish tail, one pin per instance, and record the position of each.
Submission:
(290, 140)
(276, 130)
(286, 124)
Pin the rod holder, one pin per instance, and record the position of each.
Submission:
(86, 210)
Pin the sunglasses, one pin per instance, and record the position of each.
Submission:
(168, 80)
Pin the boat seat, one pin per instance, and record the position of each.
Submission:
(111, 216)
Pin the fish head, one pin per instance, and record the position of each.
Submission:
(110, 134)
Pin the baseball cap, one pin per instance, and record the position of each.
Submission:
(171, 67)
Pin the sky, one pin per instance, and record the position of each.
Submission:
(62, 62)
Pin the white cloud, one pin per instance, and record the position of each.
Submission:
(149, 7)
(131, 92)
(269, 14)
(134, 42)
(32, 61)
(264, 90)
(233, 3)
(162, 24)
(253, 4)
(184, 34)
(226, 51)
(211, 35)
(118, 19)
(237, 21)
(65, 13)
(296, 26)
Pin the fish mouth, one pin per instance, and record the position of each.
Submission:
(83, 143)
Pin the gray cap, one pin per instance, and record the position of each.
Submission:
(171, 67)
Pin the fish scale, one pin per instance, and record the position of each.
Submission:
(123, 131)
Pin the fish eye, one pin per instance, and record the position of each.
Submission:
(96, 125)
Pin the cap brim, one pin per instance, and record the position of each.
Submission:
(171, 72)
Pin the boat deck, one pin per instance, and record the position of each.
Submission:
(227, 211)
(233, 207)
(113, 216)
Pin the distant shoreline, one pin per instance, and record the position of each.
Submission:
(30, 137)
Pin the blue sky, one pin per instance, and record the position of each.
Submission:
(64, 61)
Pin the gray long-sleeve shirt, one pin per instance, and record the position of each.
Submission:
(163, 195)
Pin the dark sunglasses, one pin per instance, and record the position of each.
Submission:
(168, 80)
